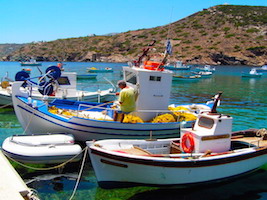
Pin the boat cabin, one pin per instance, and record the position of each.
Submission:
(66, 85)
(211, 132)
(153, 89)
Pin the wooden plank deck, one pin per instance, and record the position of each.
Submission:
(11, 184)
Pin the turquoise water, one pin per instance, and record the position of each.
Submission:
(245, 99)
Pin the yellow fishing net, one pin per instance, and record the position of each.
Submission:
(132, 119)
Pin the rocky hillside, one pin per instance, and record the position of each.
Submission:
(223, 34)
(6, 49)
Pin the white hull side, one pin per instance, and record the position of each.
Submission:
(155, 175)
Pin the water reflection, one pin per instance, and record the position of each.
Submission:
(249, 187)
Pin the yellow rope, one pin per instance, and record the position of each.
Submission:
(48, 168)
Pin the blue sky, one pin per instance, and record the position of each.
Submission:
(23, 21)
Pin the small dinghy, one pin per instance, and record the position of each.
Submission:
(45, 148)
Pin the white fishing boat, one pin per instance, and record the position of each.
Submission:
(205, 153)
(45, 148)
(87, 120)
(65, 87)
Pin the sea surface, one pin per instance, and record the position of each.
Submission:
(245, 99)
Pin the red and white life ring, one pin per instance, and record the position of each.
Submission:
(188, 144)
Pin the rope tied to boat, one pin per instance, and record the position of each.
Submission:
(6, 105)
(262, 133)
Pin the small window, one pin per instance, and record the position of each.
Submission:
(130, 77)
(155, 78)
(206, 122)
(63, 80)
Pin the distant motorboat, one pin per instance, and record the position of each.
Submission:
(32, 62)
(252, 74)
(96, 70)
(177, 66)
(205, 68)
(44, 148)
(204, 74)
(262, 68)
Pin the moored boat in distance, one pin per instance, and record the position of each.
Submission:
(32, 62)
(179, 65)
(185, 78)
(99, 70)
(65, 87)
(206, 68)
(207, 152)
(86, 76)
(252, 74)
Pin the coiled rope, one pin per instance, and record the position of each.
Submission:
(262, 133)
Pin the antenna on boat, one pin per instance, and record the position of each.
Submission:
(145, 51)
(216, 102)
(168, 50)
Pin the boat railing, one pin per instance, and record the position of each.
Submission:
(100, 106)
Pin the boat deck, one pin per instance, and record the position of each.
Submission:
(253, 140)
(11, 184)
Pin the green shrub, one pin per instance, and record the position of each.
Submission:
(230, 35)
(252, 30)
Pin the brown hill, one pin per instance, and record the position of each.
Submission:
(224, 34)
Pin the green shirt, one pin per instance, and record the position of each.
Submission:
(127, 99)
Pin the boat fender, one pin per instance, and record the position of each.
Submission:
(188, 144)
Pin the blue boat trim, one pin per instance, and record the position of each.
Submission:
(154, 134)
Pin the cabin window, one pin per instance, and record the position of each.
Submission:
(130, 77)
(155, 78)
(206, 122)
(63, 80)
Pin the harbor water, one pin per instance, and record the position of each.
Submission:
(245, 99)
